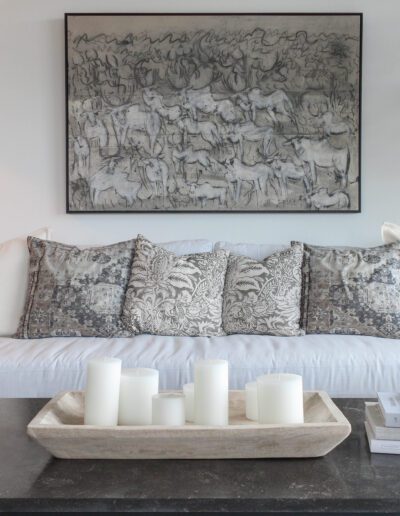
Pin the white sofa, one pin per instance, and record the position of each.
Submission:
(344, 366)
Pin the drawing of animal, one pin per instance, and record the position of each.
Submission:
(116, 179)
(206, 192)
(207, 130)
(190, 156)
(155, 102)
(250, 132)
(156, 172)
(81, 154)
(322, 200)
(276, 103)
(320, 153)
(133, 118)
(333, 126)
(285, 171)
(257, 175)
(203, 100)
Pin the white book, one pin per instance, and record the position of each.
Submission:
(375, 418)
(381, 445)
(390, 406)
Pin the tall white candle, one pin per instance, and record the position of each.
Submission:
(280, 399)
(188, 391)
(102, 391)
(251, 401)
(135, 396)
(211, 396)
(169, 409)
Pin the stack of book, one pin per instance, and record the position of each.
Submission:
(383, 423)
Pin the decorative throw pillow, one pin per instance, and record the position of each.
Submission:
(390, 232)
(172, 295)
(14, 264)
(75, 292)
(264, 297)
(352, 291)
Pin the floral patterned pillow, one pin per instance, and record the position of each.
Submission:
(264, 297)
(175, 295)
(75, 292)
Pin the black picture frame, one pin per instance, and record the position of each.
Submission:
(359, 15)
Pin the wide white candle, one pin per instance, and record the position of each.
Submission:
(211, 396)
(169, 409)
(251, 401)
(188, 391)
(102, 391)
(135, 396)
(280, 399)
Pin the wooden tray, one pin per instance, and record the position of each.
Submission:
(59, 428)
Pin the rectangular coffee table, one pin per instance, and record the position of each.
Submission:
(347, 480)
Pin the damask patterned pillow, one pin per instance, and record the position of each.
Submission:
(263, 297)
(352, 291)
(75, 292)
(175, 295)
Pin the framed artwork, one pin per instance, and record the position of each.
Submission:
(213, 112)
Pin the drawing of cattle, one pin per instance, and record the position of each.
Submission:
(258, 175)
(128, 120)
(286, 171)
(321, 154)
(322, 200)
(207, 192)
(276, 103)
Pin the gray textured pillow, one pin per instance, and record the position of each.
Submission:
(172, 295)
(353, 291)
(264, 297)
(75, 292)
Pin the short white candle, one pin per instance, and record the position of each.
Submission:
(135, 396)
(280, 399)
(169, 409)
(102, 391)
(251, 401)
(211, 395)
(188, 391)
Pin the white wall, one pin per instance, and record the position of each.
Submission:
(32, 135)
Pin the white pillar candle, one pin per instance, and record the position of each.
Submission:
(169, 409)
(280, 399)
(251, 401)
(135, 396)
(102, 391)
(188, 391)
(211, 395)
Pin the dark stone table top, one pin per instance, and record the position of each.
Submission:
(349, 479)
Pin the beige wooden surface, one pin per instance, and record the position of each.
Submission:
(59, 428)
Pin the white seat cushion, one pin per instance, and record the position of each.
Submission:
(344, 366)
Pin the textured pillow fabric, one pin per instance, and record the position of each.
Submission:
(14, 264)
(172, 295)
(390, 233)
(75, 292)
(264, 297)
(352, 291)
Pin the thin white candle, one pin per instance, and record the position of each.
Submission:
(280, 399)
(138, 386)
(251, 401)
(102, 391)
(169, 409)
(211, 395)
(188, 391)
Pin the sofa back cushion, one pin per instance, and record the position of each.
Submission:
(352, 290)
(263, 297)
(75, 292)
(255, 251)
(14, 264)
(172, 295)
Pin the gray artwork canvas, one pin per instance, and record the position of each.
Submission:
(213, 112)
